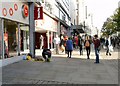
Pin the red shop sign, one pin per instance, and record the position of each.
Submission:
(38, 13)
(15, 7)
(11, 11)
(4, 12)
(25, 10)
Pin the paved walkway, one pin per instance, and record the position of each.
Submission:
(62, 70)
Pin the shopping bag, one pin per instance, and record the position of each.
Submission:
(62, 48)
(111, 48)
(104, 47)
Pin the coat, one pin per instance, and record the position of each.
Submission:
(69, 45)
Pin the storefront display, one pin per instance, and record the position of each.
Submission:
(12, 41)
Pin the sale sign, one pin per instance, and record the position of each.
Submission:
(38, 13)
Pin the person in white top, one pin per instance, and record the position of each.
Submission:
(57, 42)
(41, 41)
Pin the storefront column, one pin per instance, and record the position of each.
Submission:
(48, 36)
(19, 39)
(31, 29)
(59, 31)
(2, 34)
(51, 40)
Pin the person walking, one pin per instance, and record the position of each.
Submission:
(69, 47)
(57, 41)
(80, 41)
(96, 42)
(108, 44)
(62, 42)
(87, 46)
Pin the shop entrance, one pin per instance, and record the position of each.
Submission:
(11, 34)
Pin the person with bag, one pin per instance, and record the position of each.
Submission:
(96, 42)
(87, 46)
(62, 42)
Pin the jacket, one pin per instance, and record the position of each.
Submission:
(69, 45)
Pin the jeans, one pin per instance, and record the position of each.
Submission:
(97, 55)
(81, 51)
(69, 53)
(88, 52)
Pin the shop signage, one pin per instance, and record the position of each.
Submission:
(25, 10)
(11, 11)
(4, 12)
(38, 13)
(15, 11)
(15, 7)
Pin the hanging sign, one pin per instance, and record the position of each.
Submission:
(38, 13)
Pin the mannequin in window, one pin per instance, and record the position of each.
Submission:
(41, 42)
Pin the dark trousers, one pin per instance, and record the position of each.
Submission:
(88, 52)
(69, 53)
(108, 51)
(81, 51)
(46, 55)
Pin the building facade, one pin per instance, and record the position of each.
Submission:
(16, 29)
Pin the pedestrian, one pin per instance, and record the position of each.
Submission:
(87, 44)
(80, 41)
(69, 47)
(108, 44)
(57, 42)
(62, 43)
(65, 40)
(96, 42)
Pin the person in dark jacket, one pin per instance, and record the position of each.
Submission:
(69, 47)
(80, 41)
(96, 42)
(46, 54)
(87, 46)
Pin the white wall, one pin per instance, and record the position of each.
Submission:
(81, 11)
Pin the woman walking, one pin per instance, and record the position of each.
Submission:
(87, 46)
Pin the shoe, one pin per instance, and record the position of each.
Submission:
(110, 54)
(106, 54)
(96, 62)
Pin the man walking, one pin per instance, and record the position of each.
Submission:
(96, 42)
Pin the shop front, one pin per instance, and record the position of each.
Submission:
(14, 28)
(45, 32)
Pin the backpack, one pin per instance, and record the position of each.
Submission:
(87, 44)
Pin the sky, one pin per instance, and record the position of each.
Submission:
(101, 10)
